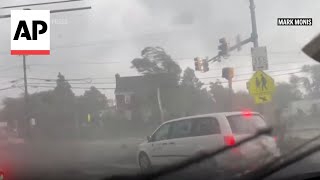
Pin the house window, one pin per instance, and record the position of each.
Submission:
(127, 99)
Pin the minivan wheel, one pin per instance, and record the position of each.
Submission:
(144, 162)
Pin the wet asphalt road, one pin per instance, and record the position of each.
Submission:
(93, 161)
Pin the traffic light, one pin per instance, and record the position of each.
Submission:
(197, 64)
(205, 65)
(228, 73)
(201, 64)
(223, 47)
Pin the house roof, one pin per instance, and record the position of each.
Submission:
(132, 84)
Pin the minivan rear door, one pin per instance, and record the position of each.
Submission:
(244, 125)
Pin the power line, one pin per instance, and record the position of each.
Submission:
(251, 73)
(109, 88)
(95, 43)
(241, 80)
(3, 89)
(54, 80)
(112, 83)
(118, 62)
(54, 11)
(89, 80)
(39, 4)
(40, 86)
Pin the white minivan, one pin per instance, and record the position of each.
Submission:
(179, 139)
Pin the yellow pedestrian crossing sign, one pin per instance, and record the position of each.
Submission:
(261, 86)
(260, 99)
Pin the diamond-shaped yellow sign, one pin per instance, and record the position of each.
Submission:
(260, 99)
(261, 84)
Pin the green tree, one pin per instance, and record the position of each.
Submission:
(187, 99)
(286, 93)
(92, 101)
(63, 88)
(61, 117)
(243, 100)
(155, 60)
(95, 99)
(220, 96)
(311, 84)
(189, 79)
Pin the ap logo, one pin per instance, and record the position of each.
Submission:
(30, 32)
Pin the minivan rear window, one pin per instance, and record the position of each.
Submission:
(245, 125)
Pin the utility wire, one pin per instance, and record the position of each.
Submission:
(43, 83)
(241, 80)
(3, 89)
(212, 77)
(251, 73)
(106, 61)
(109, 88)
(88, 81)
(111, 83)
(54, 80)
(39, 4)
(40, 86)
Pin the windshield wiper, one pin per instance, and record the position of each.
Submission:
(283, 161)
(187, 163)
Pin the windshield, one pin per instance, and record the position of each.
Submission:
(94, 88)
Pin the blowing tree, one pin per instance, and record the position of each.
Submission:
(155, 60)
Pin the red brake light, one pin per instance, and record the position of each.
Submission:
(275, 138)
(229, 140)
(247, 113)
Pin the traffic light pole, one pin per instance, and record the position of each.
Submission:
(254, 35)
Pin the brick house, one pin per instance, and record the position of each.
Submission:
(131, 91)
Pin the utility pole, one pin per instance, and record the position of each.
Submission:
(25, 78)
(160, 105)
(26, 99)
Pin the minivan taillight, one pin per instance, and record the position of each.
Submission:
(275, 138)
(229, 140)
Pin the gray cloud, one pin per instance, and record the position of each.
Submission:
(116, 30)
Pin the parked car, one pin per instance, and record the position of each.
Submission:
(179, 139)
